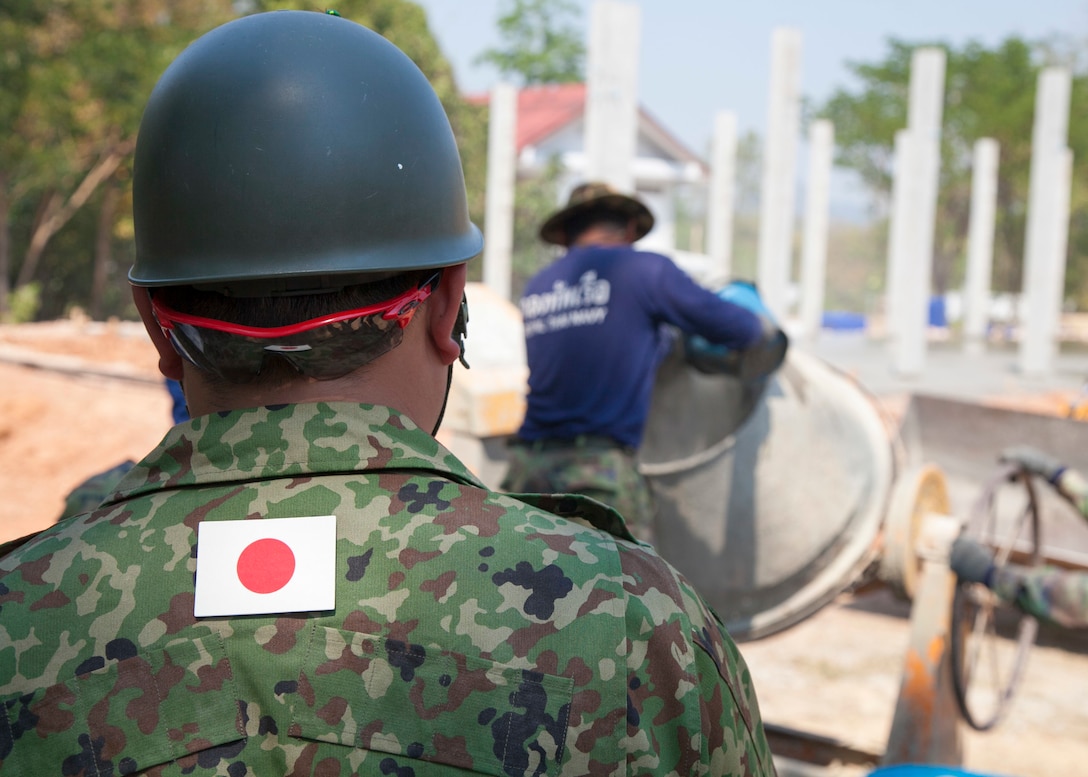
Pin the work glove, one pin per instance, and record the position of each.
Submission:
(1034, 461)
(972, 562)
(766, 355)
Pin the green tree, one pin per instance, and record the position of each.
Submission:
(540, 46)
(16, 53)
(534, 200)
(85, 68)
(989, 92)
(76, 76)
(746, 211)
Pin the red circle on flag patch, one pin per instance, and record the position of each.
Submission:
(266, 565)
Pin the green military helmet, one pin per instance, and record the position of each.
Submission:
(294, 152)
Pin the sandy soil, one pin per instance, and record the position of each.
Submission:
(837, 674)
(64, 423)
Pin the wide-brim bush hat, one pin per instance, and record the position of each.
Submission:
(593, 196)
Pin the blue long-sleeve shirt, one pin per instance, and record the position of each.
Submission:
(595, 336)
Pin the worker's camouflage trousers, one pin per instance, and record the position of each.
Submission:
(1056, 595)
(600, 470)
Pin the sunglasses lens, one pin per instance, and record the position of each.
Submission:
(337, 356)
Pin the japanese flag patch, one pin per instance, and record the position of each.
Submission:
(272, 565)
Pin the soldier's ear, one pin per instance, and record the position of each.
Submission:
(170, 361)
(445, 304)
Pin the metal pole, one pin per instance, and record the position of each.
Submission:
(926, 726)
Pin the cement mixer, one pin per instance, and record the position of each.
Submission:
(770, 498)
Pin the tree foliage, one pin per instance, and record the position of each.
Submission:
(83, 69)
(539, 45)
(989, 92)
(76, 76)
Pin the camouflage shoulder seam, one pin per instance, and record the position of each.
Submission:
(599, 515)
(12, 545)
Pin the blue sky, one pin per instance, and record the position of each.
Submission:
(702, 56)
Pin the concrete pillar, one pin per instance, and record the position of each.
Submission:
(501, 179)
(980, 244)
(611, 123)
(821, 142)
(1048, 223)
(903, 173)
(924, 125)
(723, 174)
(1062, 196)
(776, 210)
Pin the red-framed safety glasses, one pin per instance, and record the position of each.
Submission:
(323, 348)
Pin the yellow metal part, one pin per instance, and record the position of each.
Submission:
(918, 492)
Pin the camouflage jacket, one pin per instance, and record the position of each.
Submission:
(472, 632)
(1056, 595)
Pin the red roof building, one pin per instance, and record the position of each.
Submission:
(550, 126)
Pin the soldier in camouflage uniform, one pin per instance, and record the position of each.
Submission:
(1051, 594)
(289, 163)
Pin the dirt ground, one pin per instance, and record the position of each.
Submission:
(61, 424)
(836, 675)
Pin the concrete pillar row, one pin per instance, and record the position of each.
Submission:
(611, 117)
(501, 181)
(915, 258)
(821, 143)
(980, 244)
(777, 207)
(1048, 223)
(721, 200)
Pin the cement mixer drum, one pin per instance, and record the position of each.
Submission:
(768, 498)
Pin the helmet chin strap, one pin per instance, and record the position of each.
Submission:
(460, 330)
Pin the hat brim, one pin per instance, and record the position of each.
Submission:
(554, 229)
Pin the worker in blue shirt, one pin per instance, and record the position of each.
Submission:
(597, 326)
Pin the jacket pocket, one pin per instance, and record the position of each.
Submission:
(125, 717)
(434, 705)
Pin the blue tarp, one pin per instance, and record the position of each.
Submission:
(843, 321)
(926, 770)
(938, 314)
